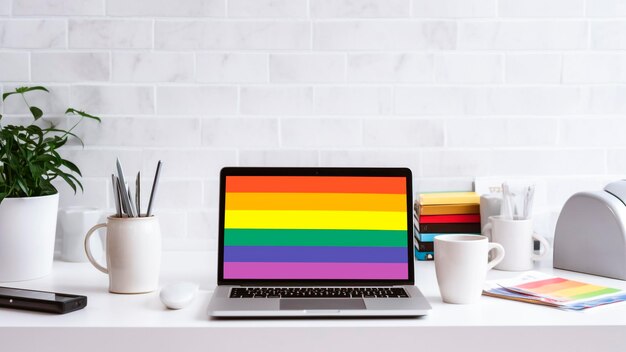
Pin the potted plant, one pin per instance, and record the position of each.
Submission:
(29, 163)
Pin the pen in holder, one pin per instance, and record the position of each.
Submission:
(125, 203)
(517, 201)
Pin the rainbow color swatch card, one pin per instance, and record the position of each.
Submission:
(540, 288)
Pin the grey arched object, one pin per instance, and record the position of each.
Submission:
(590, 234)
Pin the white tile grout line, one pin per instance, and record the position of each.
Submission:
(238, 107)
(280, 133)
(110, 53)
(346, 66)
(30, 64)
(153, 34)
(269, 68)
(312, 36)
(67, 34)
(561, 67)
(589, 28)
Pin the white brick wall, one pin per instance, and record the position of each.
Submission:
(541, 8)
(110, 34)
(5, 7)
(455, 8)
(359, 9)
(58, 8)
(69, 66)
(233, 67)
(451, 88)
(14, 67)
(383, 68)
(533, 68)
(307, 68)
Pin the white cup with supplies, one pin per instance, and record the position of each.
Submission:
(516, 236)
(133, 252)
(461, 266)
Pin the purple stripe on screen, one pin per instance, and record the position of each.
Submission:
(355, 271)
(315, 254)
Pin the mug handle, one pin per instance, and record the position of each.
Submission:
(487, 230)
(88, 248)
(495, 261)
(543, 249)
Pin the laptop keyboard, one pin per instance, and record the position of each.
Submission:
(318, 292)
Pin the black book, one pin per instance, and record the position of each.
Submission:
(459, 227)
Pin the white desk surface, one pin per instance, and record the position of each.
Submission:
(116, 321)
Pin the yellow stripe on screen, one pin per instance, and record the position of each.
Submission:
(307, 219)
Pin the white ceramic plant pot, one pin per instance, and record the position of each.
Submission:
(27, 230)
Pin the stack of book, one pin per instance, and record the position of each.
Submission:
(443, 213)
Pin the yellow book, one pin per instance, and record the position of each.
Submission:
(449, 209)
(449, 198)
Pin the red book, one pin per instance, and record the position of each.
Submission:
(463, 218)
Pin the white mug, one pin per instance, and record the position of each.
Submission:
(133, 252)
(74, 222)
(516, 236)
(461, 266)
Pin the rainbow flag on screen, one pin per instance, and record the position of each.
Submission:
(315, 227)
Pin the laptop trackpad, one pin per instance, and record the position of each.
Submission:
(321, 303)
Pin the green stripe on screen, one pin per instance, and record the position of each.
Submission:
(339, 238)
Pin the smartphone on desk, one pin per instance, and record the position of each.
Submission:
(41, 301)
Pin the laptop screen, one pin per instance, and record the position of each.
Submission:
(315, 227)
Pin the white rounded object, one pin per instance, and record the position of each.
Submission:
(178, 295)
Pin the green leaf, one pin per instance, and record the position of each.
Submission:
(37, 113)
(44, 158)
(70, 165)
(49, 130)
(67, 179)
(76, 180)
(23, 90)
(82, 113)
(6, 95)
(22, 186)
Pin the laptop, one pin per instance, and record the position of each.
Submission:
(305, 242)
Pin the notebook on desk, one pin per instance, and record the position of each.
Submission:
(316, 242)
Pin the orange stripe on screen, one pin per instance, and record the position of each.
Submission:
(316, 201)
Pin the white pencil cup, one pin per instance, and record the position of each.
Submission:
(516, 236)
(133, 252)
